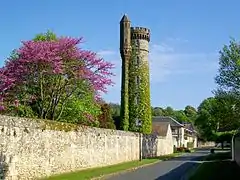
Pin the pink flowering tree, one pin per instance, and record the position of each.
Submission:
(46, 75)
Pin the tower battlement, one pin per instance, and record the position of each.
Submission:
(140, 33)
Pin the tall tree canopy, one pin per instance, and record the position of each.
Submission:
(228, 81)
(47, 73)
(206, 121)
(228, 77)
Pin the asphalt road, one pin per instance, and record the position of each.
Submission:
(173, 169)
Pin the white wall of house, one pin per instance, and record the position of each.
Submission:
(165, 145)
(181, 140)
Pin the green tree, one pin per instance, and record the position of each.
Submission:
(216, 114)
(191, 113)
(157, 111)
(181, 116)
(206, 121)
(82, 110)
(48, 36)
(228, 81)
(105, 118)
(228, 77)
(50, 83)
(227, 111)
(169, 111)
(115, 109)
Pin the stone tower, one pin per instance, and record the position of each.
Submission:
(125, 51)
(135, 92)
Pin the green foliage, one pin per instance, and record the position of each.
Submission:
(25, 111)
(180, 116)
(221, 137)
(21, 111)
(190, 145)
(115, 109)
(48, 36)
(139, 95)
(227, 79)
(115, 112)
(81, 110)
(59, 93)
(221, 113)
(169, 111)
(124, 111)
(189, 114)
(229, 67)
(105, 118)
(206, 121)
(227, 111)
(216, 114)
(157, 111)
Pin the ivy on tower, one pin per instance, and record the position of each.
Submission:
(135, 92)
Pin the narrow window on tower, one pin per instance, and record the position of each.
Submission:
(137, 82)
(137, 61)
(138, 43)
(137, 99)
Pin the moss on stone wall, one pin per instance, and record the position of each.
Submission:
(141, 108)
(57, 126)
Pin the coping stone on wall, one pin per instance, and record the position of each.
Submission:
(31, 124)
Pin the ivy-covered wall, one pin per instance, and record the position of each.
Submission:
(139, 89)
(124, 114)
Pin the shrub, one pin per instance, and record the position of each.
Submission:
(190, 144)
(183, 149)
(105, 118)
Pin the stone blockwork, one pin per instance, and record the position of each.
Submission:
(206, 144)
(29, 151)
(154, 145)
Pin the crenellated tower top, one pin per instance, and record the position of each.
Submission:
(140, 33)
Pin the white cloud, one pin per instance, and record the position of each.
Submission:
(179, 40)
(163, 48)
(164, 62)
(106, 53)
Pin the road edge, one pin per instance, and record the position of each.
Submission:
(125, 171)
(190, 172)
(194, 169)
(132, 169)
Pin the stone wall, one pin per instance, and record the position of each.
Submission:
(32, 148)
(206, 144)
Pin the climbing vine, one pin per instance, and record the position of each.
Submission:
(124, 113)
(139, 93)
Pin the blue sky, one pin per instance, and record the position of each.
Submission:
(185, 38)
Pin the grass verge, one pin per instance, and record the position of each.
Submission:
(107, 170)
(218, 156)
(217, 166)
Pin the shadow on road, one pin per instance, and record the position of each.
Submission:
(177, 173)
(187, 158)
